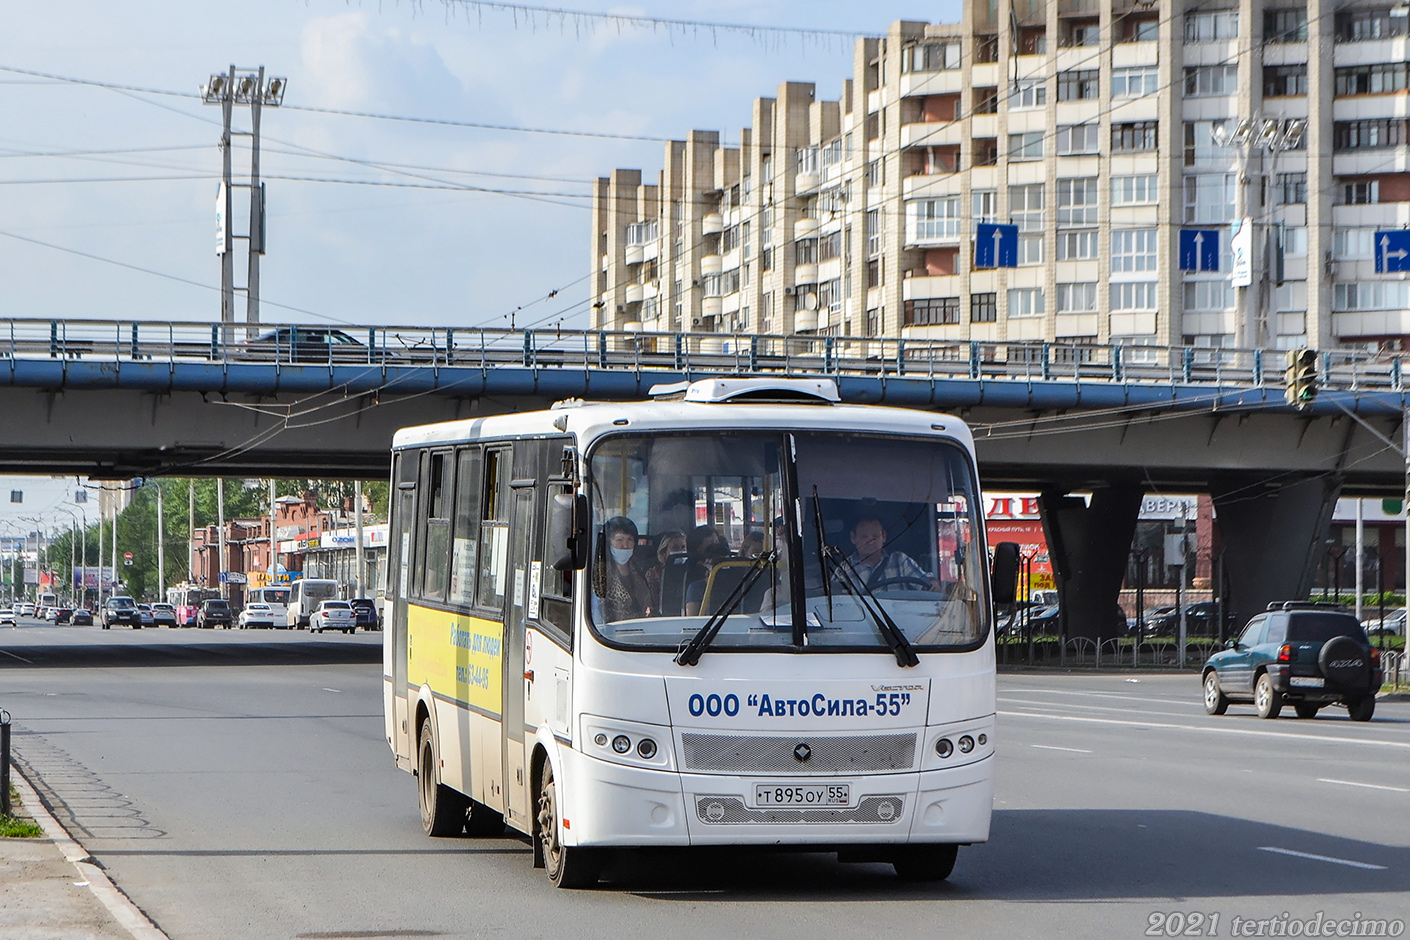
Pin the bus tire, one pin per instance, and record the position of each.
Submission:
(566, 866)
(442, 808)
(925, 862)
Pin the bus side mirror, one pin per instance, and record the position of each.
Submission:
(1004, 577)
(567, 532)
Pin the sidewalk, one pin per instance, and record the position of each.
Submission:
(51, 890)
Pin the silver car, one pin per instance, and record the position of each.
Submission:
(333, 615)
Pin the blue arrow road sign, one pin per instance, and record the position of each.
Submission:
(1392, 251)
(995, 246)
(1199, 249)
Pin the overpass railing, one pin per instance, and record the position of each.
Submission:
(435, 347)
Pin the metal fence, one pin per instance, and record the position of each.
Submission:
(303, 344)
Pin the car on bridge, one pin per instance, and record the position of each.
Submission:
(1308, 655)
(300, 344)
(255, 616)
(120, 610)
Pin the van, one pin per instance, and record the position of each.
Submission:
(276, 597)
(305, 595)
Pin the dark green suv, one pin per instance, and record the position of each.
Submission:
(1303, 654)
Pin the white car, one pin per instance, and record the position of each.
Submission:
(7, 616)
(256, 615)
(333, 615)
(25, 610)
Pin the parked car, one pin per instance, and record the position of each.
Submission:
(1393, 625)
(7, 615)
(145, 611)
(214, 613)
(1304, 654)
(256, 615)
(333, 615)
(1201, 619)
(81, 617)
(120, 610)
(163, 615)
(369, 614)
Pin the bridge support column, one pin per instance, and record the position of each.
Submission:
(1089, 544)
(1274, 540)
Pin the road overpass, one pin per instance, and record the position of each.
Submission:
(122, 399)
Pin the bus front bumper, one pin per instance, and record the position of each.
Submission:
(610, 804)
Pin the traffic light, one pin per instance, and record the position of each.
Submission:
(1300, 380)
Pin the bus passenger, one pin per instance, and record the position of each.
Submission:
(877, 567)
(618, 581)
(706, 548)
(670, 543)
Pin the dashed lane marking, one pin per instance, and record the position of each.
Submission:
(1210, 729)
(1321, 858)
(1368, 786)
(1054, 747)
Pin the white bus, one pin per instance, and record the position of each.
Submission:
(276, 596)
(540, 673)
(305, 595)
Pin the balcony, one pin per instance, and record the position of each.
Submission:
(711, 306)
(805, 226)
(939, 134)
(711, 264)
(633, 293)
(712, 224)
(923, 232)
(805, 273)
(634, 254)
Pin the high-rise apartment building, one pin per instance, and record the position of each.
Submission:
(1108, 131)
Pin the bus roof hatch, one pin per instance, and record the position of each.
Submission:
(815, 391)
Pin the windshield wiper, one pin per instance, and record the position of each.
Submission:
(895, 638)
(690, 653)
(822, 549)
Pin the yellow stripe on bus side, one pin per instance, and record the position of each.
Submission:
(458, 656)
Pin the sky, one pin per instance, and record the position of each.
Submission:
(109, 164)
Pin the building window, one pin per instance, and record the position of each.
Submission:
(1127, 296)
(1133, 250)
(1209, 296)
(766, 259)
(1366, 25)
(1217, 26)
(830, 296)
(986, 151)
(1026, 207)
(1134, 137)
(1354, 244)
(986, 205)
(1373, 134)
(984, 308)
(805, 251)
(1281, 81)
(1027, 95)
(1084, 34)
(1292, 188)
(933, 218)
(1205, 80)
(876, 173)
(933, 56)
(1141, 190)
(1371, 295)
(1209, 198)
(932, 311)
(1139, 28)
(1382, 79)
(1077, 201)
(1026, 146)
(873, 232)
(1026, 302)
(1200, 147)
(1077, 298)
(986, 47)
(1360, 192)
(1285, 25)
(1077, 245)
(1135, 82)
(986, 100)
(729, 282)
(1077, 84)
(830, 247)
(1030, 251)
(1073, 139)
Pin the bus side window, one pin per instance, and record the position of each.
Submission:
(556, 606)
(468, 492)
(434, 569)
(494, 529)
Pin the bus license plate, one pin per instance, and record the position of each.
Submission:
(1310, 682)
(830, 794)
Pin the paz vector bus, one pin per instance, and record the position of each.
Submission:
(571, 651)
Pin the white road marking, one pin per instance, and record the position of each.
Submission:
(1368, 786)
(1209, 729)
(1321, 858)
(1054, 747)
(334, 690)
(17, 656)
(1125, 710)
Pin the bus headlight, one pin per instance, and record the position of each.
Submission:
(621, 744)
(966, 744)
(633, 743)
(944, 748)
(646, 748)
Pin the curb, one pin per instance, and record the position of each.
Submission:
(127, 914)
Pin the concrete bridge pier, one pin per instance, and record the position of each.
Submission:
(1089, 544)
(1274, 538)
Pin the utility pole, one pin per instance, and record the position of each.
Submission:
(190, 531)
(161, 546)
(114, 546)
(220, 532)
(1360, 554)
(100, 549)
(227, 89)
(273, 556)
(361, 573)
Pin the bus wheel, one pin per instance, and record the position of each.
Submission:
(567, 866)
(442, 809)
(925, 862)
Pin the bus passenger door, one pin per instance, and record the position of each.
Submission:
(516, 682)
(398, 583)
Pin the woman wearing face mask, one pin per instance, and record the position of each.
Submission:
(619, 583)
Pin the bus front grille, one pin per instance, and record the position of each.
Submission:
(798, 754)
(731, 811)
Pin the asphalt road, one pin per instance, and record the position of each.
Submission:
(237, 785)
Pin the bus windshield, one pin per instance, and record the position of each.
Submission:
(806, 534)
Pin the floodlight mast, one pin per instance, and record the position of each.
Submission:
(247, 87)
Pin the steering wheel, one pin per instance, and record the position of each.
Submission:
(920, 584)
